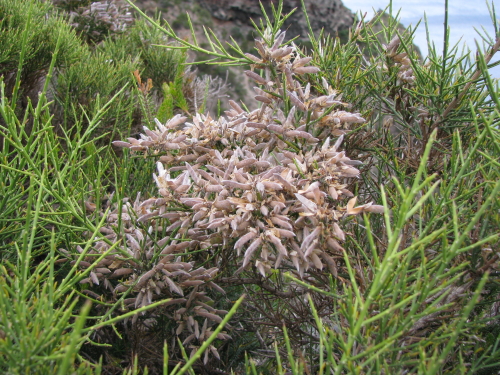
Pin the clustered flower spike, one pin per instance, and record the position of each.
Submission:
(146, 279)
(111, 15)
(402, 60)
(268, 185)
(261, 181)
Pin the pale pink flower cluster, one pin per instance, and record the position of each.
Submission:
(401, 60)
(266, 187)
(262, 182)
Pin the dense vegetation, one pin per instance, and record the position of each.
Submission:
(347, 225)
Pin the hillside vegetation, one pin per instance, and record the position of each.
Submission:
(346, 221)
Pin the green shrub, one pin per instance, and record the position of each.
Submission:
(86, 76)
(95, 21)
(103, 71)
(259, 201)
(161, 65)
(83, 87)
(30, 31)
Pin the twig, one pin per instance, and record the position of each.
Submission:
(263, 285)
(475, 76)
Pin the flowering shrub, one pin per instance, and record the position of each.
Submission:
(266, 184)
(258, 204)
(100, 18)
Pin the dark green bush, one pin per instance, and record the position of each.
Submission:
(85, 76)
(161, 65)
(30, 32)
(82, 88)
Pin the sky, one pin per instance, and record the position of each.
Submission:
(463, 16)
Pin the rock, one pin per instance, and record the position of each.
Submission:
(330, 15)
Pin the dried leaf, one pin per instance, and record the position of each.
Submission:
(236, 185)
(308, 204)
(277, 243)
(255, 77)
(263, 99)
(121, 144)
(173, 286)
(244, 239)
(306, 69)
(250, 250)
(375, 209)
(208, 315)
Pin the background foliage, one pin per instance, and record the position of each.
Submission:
(414, 290)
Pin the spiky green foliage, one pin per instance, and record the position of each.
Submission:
(85, 77)
(103, 71)
(412, 291)
(30, 32)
